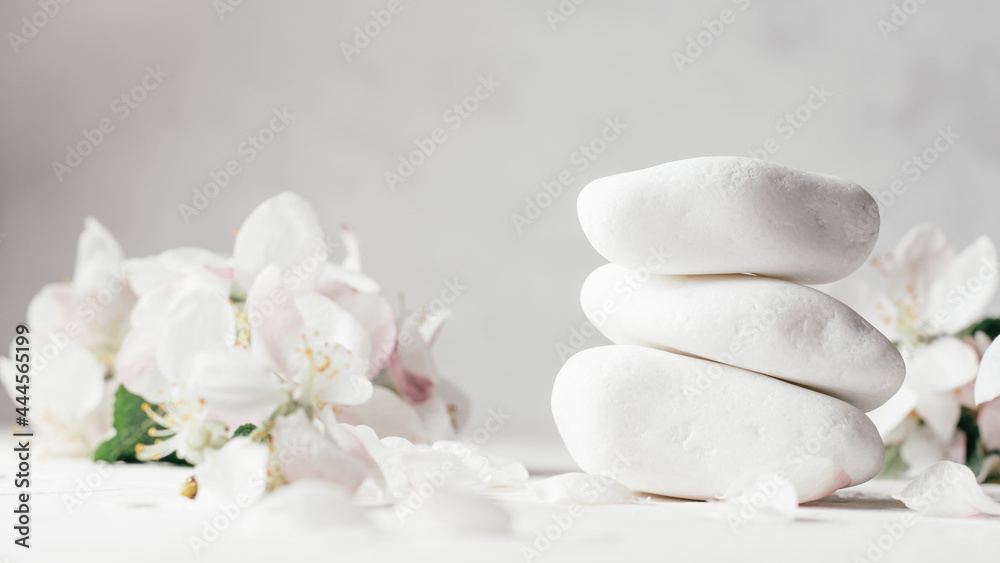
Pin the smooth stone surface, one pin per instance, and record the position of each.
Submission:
(770, 326)
(731, 215)
(684, 427)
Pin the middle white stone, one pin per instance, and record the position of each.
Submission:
(770, 326)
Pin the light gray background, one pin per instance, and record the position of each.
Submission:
(452, 218)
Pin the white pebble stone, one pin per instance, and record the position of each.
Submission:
(731, 215)
(770, 326)
(678, 426)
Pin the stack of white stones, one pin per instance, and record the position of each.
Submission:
(723, 366)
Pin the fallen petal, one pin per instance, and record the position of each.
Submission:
(947, 489)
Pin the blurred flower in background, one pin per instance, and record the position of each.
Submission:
(76, 328)
(931, 300)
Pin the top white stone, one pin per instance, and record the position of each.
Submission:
(731, 215)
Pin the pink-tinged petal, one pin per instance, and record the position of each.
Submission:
(201, 321)
(97, 256)
(947, 489)
(136, 367)
(988, 420)
(388, 415)
(235, 387)
(276, 325)
(52, 308)
(988, 380)
(946, 364)
(149, 274)
(352, 261)
(284, 231)
(349, 441)
(376, 316)
(964, 290)
(416, 387)
(304, 452)
(940, 411)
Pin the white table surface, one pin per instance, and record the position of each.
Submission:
(136, 514)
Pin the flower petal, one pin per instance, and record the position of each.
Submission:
(235, 387)
(136, 364)
(988, 420)
(97, 256)
(284, 231)
(388, 415)
(237, 468)
(148, 274)
(988, 380)
(947, 489)
(940, 411)
(921, 449)
(201, 321)
(943, 365)
(376, 316)
(51, 308)
(964, 290)
(304, 452)
(582, 488)
(890, 415)
(276, 325)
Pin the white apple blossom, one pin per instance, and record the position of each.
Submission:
(76, 329)
(926, 292)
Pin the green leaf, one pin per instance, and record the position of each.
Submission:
(244, 430)
(132, 427)
(990, 326)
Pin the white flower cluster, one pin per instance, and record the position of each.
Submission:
(278, 336)
(929, 299)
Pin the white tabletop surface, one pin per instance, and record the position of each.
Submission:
(136, 514)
